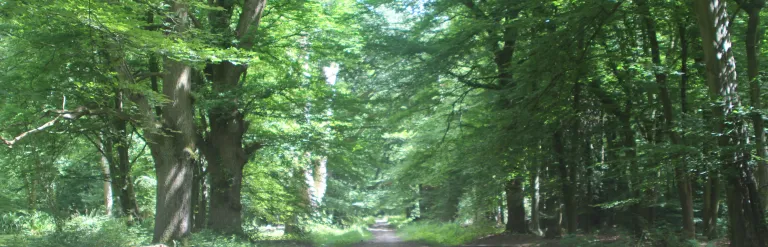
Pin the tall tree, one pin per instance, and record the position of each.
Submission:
(225, 150)
(746, 214)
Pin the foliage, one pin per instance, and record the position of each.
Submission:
(87, 230)
(27, 223)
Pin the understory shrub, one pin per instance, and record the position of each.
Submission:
(26, 223)
(86, 231)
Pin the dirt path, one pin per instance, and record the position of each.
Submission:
(384, 236)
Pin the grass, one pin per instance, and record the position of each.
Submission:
(99, 230)
(449, 234)
(322, 235)
(4, 239)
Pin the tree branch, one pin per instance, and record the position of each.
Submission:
(38, 129)
(251, 15)
(251, 148)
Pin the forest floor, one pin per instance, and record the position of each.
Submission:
(385, 236)
(515, 241)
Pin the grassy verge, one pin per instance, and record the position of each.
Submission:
(444, 233)
(330, 236)
(4, 239)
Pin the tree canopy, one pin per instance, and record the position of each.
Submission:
(550, 118)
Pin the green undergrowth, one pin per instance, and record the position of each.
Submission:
(99, 230)
(322, 235)
(449, 234)
(84, 231)
(398, 221)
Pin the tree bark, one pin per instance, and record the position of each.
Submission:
(173, 152)
(228, 155)
(567, 189)
(753, 9)
(202, 204)
(535, 198)
(173, 144)
(746, 215)
(107, 181)
(515, 206)
(128, 202)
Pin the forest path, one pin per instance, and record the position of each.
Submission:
(384, 236)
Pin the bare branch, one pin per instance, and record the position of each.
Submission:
(38, 129)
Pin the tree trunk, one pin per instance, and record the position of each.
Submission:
(711, 204)
(202, 204)
(515, 206)
(174, 151)
(685, 195)
(500, 212)
(128, 202)
(107, 181)
(567, 189)
(534, 181)
(228, 155)
(555, 217)
(320, 176)
(746, 215)
(225, 164)
(753, 71)
(173, 145)
(451, 205)
(712, 186)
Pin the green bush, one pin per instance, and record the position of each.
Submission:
(26, 223)
(445, 233)
(79, 231)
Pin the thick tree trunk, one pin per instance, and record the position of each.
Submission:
(228, 155)
(173, 144)
(685, 194)
(515, 206)
(225, 164)
(746, 215)
(173, 151)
